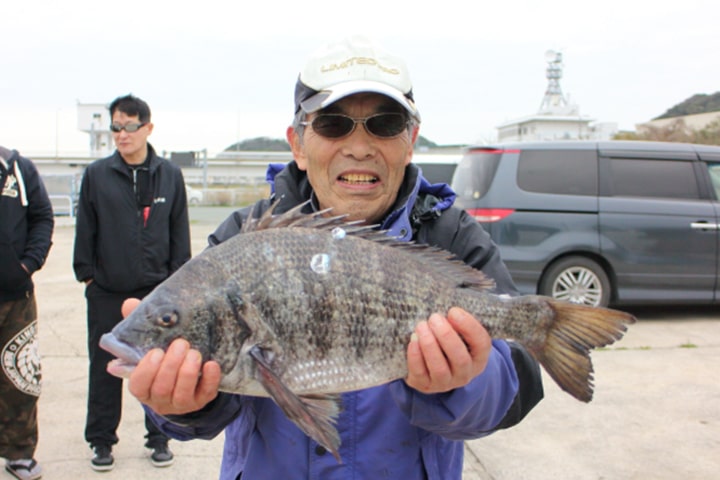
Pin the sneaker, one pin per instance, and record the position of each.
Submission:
(161, 455)
(24, 469)
(103, 460)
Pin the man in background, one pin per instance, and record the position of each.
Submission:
(132, 233)
(26, 228)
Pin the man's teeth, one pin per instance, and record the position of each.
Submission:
(357, 178)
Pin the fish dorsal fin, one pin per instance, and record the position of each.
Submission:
(444, 262)
(295, 217)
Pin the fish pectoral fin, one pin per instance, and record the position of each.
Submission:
(313, 414)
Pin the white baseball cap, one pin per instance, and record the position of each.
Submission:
(353, 65)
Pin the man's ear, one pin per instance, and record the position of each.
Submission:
(296, 145)
(415, 133)
(413, 139)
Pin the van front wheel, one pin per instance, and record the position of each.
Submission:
(577, 280)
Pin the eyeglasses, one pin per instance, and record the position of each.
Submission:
(130, 127)
(337, 125)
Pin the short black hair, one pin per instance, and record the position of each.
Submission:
(131, 105)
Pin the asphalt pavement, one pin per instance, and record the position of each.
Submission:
(655, 414)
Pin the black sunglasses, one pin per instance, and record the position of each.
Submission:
(337, 125)
(130, 127)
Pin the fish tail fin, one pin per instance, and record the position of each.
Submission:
(576, 330)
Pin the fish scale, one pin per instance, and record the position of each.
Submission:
(349, 298)
(302, 307)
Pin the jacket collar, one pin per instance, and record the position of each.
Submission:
(119, 164)
(9, 162)
(290, 186)
(6, 157)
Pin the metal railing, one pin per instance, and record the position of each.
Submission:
(62, 205)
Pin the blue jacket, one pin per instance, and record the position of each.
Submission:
(390, 431)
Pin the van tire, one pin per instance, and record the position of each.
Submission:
(576, 279)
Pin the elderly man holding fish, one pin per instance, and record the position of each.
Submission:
(352, 139)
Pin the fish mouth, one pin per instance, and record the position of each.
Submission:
(128, 355)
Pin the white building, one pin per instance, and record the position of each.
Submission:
(94, 119)
(556, 119)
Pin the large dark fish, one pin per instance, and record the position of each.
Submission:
(303, 307)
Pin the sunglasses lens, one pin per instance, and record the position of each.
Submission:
(386, 124)
(333, 126)
(130, 127)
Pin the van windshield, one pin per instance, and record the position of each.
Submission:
(475, 172)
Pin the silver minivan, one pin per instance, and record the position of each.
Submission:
(600, 223)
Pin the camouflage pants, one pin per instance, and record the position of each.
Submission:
(19, 378)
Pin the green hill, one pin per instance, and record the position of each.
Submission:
(699, 103)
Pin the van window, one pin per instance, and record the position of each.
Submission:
(567, 172)
(714, 169)
(437, 172)
(653, 178)
(475, 172)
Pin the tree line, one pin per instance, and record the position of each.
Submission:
(676, 131)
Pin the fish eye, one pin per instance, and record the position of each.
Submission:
(167, 319)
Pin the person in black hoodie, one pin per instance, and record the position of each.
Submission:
(26, 227)
(132, 232)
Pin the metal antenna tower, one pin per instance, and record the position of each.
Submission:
(553, 101)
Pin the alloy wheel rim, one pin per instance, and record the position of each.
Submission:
(578, 285)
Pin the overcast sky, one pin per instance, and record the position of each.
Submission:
(215, 72)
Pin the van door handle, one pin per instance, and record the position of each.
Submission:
(704, 226)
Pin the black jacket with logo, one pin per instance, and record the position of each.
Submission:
(26, 224)
(114, 244)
